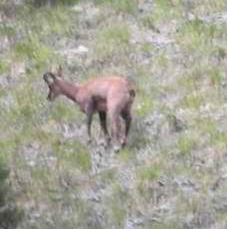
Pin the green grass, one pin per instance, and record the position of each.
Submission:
(72, 154)
(112, 41)
(4, 170)
(186, 144)
(4, 66)
(33, 52)
(7, 31)
(27, 105)
(37, 28)
(127, 155)
(149, 173)
(164, 11)
(164, 225)
(45, 22)
(193, 101)
(43, 180)
(146, 177)
(63, 112)
(211, 129)
(148, 21)
(197, 36)
(216, 76)
(7, 148)
(145, 105)
(208, 6)
(118, 214)
(117, 205)
(125, 6)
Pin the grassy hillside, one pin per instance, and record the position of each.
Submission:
(172, 174)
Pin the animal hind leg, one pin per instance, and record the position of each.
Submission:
(128, 119)
(115, 131)
(102, 117)
(89, 114)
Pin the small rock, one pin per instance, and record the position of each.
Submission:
(81, 49)
(77, 9)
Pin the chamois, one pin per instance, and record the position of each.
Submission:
(110, 96)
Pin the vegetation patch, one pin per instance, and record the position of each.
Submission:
(125, 6)
(186, 144)
(112, 41)
(72, 154)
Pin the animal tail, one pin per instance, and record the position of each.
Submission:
(132, 88)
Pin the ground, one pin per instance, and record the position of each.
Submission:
(173, 172)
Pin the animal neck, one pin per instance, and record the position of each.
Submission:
(69, 89)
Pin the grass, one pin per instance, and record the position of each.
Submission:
(7, 31)
(186, 144)
(127, 155)
(45, 22)
(149, 173)
(215, 136)
(194, 100)
(163, 12)
(4, 66)
(4, 170)
(216, 76)
(112, 41)
(36, 29)
(145, 105)
(27, 105)
(146, 178)
(73, 155)
(118, 214)
(198, 36)
(63, 112)
(184, 79)
(117, 204)
(33, 51)
(124, 6)
(210, 7)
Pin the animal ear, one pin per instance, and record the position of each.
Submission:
(52, 69)
(60, 70)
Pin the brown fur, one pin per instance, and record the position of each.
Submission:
(110, 96)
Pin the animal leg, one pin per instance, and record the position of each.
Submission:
(89, 114)
(102, 117)
(127, 118)
(115, 131)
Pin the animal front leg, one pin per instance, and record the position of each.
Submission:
(89, 113)
(88, 122)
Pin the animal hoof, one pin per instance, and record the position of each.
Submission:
(116, 148)
(123, 143)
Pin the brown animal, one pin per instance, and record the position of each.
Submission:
(110, 96)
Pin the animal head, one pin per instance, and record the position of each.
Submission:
(52, 80)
